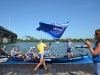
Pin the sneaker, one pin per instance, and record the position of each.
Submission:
(45, 70)
(34, 71)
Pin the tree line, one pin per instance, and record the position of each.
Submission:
(52, 40)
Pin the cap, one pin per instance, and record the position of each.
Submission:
(41, 40)
(33, 47)
(30, 47)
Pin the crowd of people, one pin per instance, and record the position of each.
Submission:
(16, 52)
(43, 51)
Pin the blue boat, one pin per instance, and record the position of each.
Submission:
(73, 60)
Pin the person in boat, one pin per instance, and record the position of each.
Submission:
(47, 53)
(35, 54)
(18, 51)
(69, 48)
(40, 48)
(31, 54)
(95, 51)
(4, 51)
(14, 53)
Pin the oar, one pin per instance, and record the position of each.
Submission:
(50, 43)
(78, 49)
(27, 59)
(82, 51)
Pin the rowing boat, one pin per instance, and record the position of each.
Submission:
(81, 46)
(62, 59)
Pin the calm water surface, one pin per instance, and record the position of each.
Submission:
(56, 48)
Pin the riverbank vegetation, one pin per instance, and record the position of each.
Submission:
(52, 40)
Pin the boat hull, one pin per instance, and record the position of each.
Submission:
(73, 60)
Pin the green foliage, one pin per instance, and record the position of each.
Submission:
(52, 40)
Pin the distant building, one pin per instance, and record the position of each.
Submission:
(27, 37)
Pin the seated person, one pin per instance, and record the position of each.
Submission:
(47, 53)
(13, 52)
(35, 55)
(4, 52)
(18, 51)
(30, 53)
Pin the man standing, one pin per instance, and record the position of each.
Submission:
(69, 48)
(40, 48)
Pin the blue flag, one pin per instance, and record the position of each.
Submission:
(54, 29)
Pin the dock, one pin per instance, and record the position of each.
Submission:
(53, 69)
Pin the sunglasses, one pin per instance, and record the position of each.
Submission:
(96, 34)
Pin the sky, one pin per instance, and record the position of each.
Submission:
(23, 16)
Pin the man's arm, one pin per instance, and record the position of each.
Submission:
(7, 53)
(44, 53)
(47, 47)
(11, 53)
(26, 54)
(73, 46)
(50, 52)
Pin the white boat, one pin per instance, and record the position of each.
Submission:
(3, 60)
(57, 42)
(81, 46)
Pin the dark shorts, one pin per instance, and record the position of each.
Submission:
(69, 50)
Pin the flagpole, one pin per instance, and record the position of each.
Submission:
(17, 31)
(14, 28)
(9, 24)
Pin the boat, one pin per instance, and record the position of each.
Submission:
(3, 60)
(57, 42)
(81, 46)
(58, 59)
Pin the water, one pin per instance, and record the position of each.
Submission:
(55, 48)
